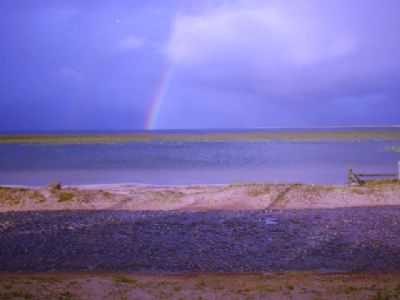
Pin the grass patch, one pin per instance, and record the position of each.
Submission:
(167, 196)
(45, 279)
(65, 196)
(7, 286)
(350, 289)
(124, 280)
(245, 291)
(16, 295)
(106, 194)
(386, 295)
(11, 196)
(65, 296)
(38, 197)
(177, 289)
(60, 194)
(264, 289)
(201, 284)
(14, 196)
(290, 287)
(379, 182)
(258, 190)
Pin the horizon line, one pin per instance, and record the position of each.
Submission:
(192, 129)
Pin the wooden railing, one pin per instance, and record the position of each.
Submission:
(353, 178)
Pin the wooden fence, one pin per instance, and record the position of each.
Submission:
(359, 178)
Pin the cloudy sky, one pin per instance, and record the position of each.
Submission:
(127, 65)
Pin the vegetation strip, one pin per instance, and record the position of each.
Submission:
(196, 137)
(302, 285)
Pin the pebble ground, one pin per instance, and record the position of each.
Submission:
(341, 239)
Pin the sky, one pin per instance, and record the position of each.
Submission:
(189, 64)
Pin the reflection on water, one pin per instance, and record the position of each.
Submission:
(194, 162)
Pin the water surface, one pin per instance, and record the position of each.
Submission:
(189, 162)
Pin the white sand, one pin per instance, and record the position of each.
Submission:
(198, 197)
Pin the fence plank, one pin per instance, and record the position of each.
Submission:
(357, 178)
(377, 175)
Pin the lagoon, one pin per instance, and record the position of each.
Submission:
(174, 162)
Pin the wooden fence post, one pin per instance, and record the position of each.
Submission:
(353, 178)
(350, 177)
(359, 178)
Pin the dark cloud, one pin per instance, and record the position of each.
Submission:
(303, 63)
(91, 65)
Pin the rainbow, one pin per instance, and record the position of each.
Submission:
(157, 100)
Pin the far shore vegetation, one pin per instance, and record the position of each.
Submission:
(197, 137)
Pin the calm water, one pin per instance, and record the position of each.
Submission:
(194, 162)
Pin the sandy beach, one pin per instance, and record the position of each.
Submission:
(137, 197)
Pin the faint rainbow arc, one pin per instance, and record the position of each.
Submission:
(158, 99)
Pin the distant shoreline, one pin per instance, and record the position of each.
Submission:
(286, 135)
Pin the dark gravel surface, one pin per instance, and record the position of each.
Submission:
(348, 239)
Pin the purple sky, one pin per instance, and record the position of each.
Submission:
(99, 65)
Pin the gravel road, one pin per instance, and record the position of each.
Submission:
(347, 239)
